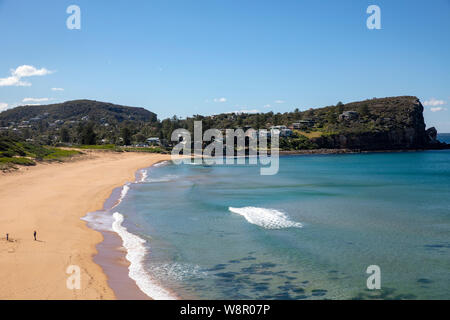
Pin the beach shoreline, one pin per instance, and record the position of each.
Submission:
(52, 199)
(111, 255)
(118, 261)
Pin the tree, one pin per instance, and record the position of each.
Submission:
(126, 135)
(87, 134)
(309, 114)
(65, 135)
(27, 133)
(259, 121)
(139, 137)
(363, 110)
(277, 119)
(331, 117)
(167, 129)
(49, 140)
(42, 126)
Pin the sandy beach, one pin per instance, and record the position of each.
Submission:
(51, 199)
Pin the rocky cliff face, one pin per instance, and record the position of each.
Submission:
(387, 124)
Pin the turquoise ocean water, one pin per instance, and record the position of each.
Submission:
(309, 232)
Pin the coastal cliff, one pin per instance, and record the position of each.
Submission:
(394, 123)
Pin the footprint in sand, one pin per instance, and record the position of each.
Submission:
(11, 245)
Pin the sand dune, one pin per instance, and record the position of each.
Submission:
(51, 199)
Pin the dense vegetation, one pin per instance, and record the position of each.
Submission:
(375, 114)
(79, 122)
(15, 152)
(75, 110)
(112, 147)
(395, 122)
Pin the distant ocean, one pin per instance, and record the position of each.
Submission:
(444, 137)
(309, 232)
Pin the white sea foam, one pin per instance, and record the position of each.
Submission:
(136, 252)
(134, 245)
(166, 178)
(160, 164)
(144, 174)
(266, 218)
(123, 193)
(99, 220)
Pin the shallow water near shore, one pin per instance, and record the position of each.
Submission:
(309, 232)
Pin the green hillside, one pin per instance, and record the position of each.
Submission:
(15, 152)
(77, 110)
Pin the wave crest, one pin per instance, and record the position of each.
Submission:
(266, 218)
(144, 174)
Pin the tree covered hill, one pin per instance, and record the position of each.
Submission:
(373, 124)
(77, 110)
(78, 121)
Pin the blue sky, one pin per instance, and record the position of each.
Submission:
(186, 57)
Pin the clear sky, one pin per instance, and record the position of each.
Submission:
(189, 57)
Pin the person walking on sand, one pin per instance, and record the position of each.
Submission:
(7, 237)
(34, 235)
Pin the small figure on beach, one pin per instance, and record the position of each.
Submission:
(34, 235)
(7, 237)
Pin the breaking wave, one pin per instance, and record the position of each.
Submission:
(144, 175)
(266, 218)
(136, 252)
(123, 193)
(167, 178)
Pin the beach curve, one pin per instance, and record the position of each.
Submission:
(51, 199)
